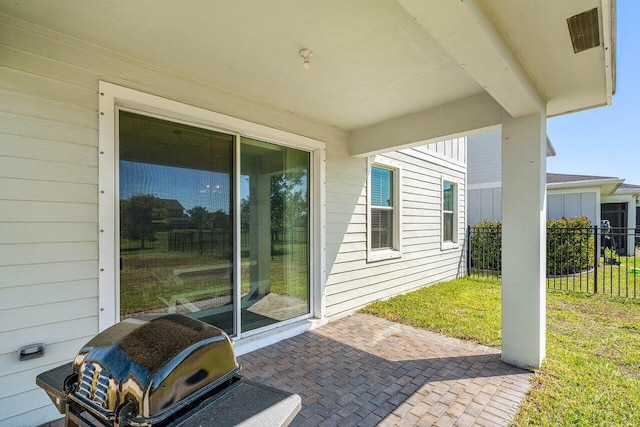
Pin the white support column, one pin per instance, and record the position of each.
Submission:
(524, 240)
(631, 225)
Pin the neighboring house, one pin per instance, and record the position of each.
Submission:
(595, 197)
(484, 181)
(358, 163)
(174, 208)
(633, 191)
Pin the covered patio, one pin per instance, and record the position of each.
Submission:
(362, 370)
(385, 76)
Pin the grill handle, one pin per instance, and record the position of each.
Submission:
(123, 412)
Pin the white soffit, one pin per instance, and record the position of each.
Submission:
(607, 186)
(374, 60)
(371, 60)
(539, 35)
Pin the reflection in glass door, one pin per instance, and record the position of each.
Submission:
(176, 220)
(274, 219)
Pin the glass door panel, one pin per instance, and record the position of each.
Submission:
(274, 220)
(176, 220)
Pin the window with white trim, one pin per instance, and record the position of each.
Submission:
(449, 213)
(384, 215)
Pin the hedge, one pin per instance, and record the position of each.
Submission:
(486, 245)
(570, 246)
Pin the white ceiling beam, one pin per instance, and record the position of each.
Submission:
(459, 118)
(609, 39)
(470, 35)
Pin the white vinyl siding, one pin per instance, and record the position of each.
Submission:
(353, 281)
(569, 205)
(48, 218)
(49, 261)
(484, 154)
(454, 150)
(484, 204)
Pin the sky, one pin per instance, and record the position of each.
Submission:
(605, 141)
(191, 187)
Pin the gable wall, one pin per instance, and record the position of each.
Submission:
(451, 150)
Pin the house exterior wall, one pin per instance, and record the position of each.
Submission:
(485, 153)
(352, 281)
(630, 202)
(49, 202)
(573, 203)
(485, 204)
(452, 149)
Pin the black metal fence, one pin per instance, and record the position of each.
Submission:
(204, 242)
(591, 259)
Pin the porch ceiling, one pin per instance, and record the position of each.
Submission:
(374, 61)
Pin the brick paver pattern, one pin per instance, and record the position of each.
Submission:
(366, 371)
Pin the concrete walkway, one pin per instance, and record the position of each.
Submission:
(366, 371)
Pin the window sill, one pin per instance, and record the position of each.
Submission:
(445, 246)
(384, 254)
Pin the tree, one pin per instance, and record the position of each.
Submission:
(288, 201)
(221, 220)
(141, 216)
(199, 217)
(245, 214)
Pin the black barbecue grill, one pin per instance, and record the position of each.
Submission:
(163, 371)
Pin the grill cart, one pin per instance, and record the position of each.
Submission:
(167, 371)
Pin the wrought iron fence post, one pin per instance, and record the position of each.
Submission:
(468, 250)
(596, 258)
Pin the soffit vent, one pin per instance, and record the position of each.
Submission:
(584, 30)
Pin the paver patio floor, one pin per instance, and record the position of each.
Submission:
(366, 371)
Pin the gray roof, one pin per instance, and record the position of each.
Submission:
(630, 187)
(561, 177)
(172, 204)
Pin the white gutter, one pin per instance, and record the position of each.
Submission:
(613, 183)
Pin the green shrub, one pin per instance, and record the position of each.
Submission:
(486, 245)
(570, 246)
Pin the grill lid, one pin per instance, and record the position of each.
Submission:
(157, 366)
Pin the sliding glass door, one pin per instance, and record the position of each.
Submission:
(274, 211)
(178, 192)
(176, 216)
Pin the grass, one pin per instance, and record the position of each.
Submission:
(591, 375)
(432, 308)
(620, 280)
(148, 274)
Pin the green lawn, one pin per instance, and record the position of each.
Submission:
(620, 280)
(591, 376)
(148, 278)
